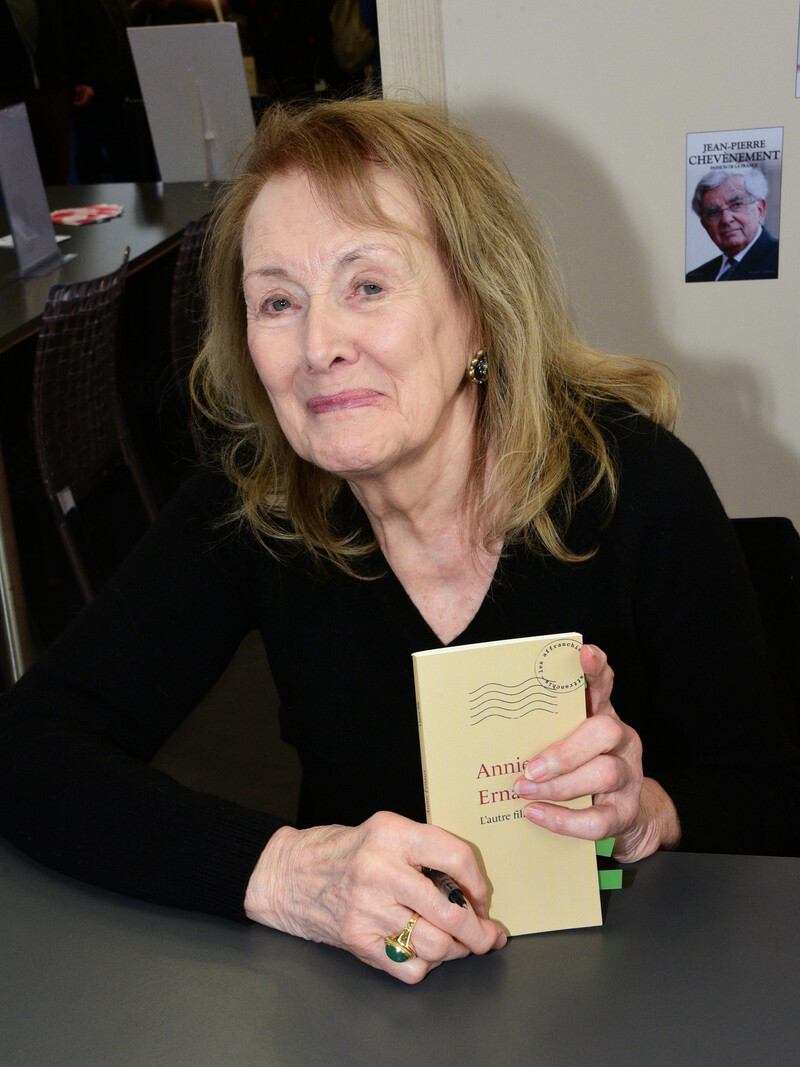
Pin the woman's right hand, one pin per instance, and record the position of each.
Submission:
(351, 886)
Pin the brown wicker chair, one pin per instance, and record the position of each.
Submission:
(80, 433)
(187, 312)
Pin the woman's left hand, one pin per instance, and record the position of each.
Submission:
(602, 757)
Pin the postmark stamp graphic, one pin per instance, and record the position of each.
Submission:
(558, 665)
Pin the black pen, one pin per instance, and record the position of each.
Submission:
(453, 892)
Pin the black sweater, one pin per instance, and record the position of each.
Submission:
(666, 596)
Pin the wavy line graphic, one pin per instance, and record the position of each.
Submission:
(510, 701)
(510, 708)
(503, 685)
(513, 698)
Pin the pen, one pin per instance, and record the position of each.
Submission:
(442, 881)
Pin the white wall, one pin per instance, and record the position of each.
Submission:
(591, 103)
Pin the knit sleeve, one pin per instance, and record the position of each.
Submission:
(77, 730)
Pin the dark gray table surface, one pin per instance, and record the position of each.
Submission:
(697, 963)
(152, 222)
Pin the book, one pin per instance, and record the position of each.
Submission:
(484, 711)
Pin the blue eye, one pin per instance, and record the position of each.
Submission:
(279, 304)
(371, 288)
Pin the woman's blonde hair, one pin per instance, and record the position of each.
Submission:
(539, 406)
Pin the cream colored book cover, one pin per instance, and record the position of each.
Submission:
(484, 711)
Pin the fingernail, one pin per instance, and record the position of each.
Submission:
(524, 788)
(535, 814)
(535, 769)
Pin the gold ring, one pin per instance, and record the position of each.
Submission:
(399, 947)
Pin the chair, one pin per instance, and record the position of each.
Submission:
(771, 548)
(187, 310)
(80, 434)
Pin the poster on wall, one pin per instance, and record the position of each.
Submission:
(733, 204)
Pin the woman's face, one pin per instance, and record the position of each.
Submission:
(356, 332)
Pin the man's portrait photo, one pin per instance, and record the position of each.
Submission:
(731, 205)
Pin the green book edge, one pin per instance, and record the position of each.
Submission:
(605, 846)
(608, 877)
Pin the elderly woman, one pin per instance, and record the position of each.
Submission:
(416, 450)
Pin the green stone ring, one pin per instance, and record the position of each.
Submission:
(399, 947)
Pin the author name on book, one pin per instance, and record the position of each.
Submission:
(498, 796)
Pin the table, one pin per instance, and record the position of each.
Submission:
(152, 223)
(697, 963)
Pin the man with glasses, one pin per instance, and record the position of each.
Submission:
(731, 205)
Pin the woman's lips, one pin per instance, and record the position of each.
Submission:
(350, 398)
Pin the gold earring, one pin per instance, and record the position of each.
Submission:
(478, 370)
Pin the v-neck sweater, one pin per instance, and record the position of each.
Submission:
(666, 596)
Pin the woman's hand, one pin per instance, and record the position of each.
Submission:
(351, 886)
(602, 757)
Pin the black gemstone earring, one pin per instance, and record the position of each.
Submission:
(478, 370)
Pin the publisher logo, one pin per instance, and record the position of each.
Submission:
(558, 666)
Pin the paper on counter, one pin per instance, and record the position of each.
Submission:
(81, 216)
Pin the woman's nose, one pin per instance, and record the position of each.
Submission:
(326, 336)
